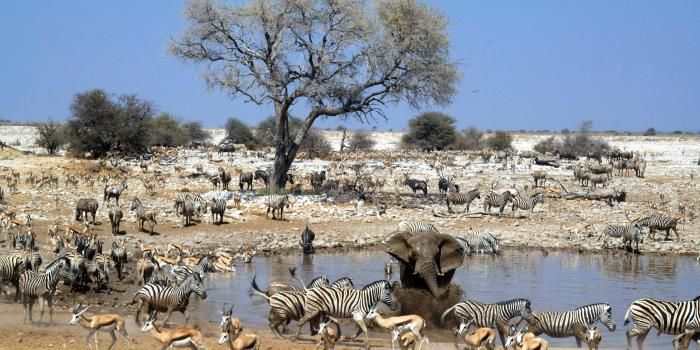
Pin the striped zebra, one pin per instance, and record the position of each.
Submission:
(320, 281)
(668, 317)
(416, 226)
(203, 265)
(491, 315)
(42, 286)
(572, 323)
(466, 199)
(494, 199)
(346, 303)
(31, 258)
(474, 241)
(215, 181)
(11, 268)
(285, 306)
(143, 214)
(278, 202)
(119, 256)
(218, 207)
(659, 222)
(225, 177)
(629, 233)
(527, 203)
(168, 299)
(115, 217)
(343, 283)
(245, 178)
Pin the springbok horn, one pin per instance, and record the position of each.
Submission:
(230, 311)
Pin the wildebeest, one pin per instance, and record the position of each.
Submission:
(306, 242)
(85, 206)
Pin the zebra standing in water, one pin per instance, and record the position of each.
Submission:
(167, 298)
(218, 207)
(479, 242)
(346, 303)
(278, 202)
(494, 199)
(203, 265)
(416, 226)
(667, 317)
(491, 315)
(527, 203)
(572, 323)
(661, 223)
(42, 286)
(455, 198)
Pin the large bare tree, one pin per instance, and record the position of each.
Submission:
(328, 58)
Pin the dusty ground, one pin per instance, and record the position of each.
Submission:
(349, 225)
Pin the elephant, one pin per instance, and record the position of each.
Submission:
(428, 260)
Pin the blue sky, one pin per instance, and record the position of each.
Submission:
(626, 65)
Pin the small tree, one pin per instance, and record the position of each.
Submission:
(166, 131)
(361, 141)
(99, 124)
(266, 131)
(469, 139)
(650, 132)
(239, 132)
(548, 145)
(430, 130)
(500, 141)
(196, 132)
(51, 136)
(316, 143)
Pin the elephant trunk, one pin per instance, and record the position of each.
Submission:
(427, 270)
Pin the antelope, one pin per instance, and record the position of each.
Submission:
(479, 336)
(233, 324)
(70, 232)
(413, 323)
(231, 334)
(237, 200)
(100, 322)
(181, 249)
(329, 335)
(406, 339)
(185, 337)
(524, 340)
(593, 337)
(52, 232)
(150, 249)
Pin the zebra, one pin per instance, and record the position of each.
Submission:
(245, 178)
(540, 177)
(629, 233)
(143, 215)
(119, 256)
(581, 175)
(527, 203)
(168, 299)
(307, 241)
(85, 206)
(30, 257)
(659, 222)
(278, 202)
(115, 217)
(494, 199)
(187, 211)
(218, 207)
(343, 282)
(42, 286)
(454, 198)
(416, 226)
(11, 268)
(601, 169)
(572, 323)
(668, 317)
(479, 242)
(225, 178)
(491, 315)
(320, 281)
(285, 306)
(203, 265)
(114, 191)
(346, 303)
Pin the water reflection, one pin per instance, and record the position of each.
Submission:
(554, 281)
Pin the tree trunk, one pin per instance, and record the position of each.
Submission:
(286, 151)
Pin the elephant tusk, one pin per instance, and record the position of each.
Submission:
(415, 272)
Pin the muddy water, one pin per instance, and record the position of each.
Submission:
(552, 281)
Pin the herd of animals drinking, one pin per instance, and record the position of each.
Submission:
(428, 261)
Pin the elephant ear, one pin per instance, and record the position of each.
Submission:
(451, 253)
(397, 245)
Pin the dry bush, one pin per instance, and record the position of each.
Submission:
(423, 304)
